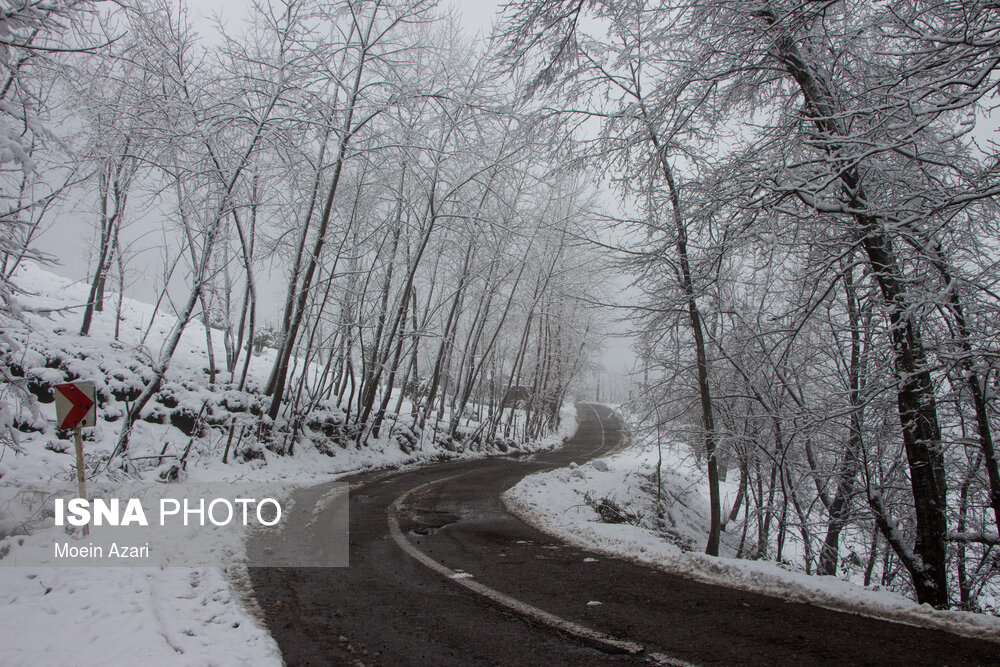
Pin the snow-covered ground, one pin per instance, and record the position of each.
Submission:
(128, 616)
(170, 615)
(566, 503)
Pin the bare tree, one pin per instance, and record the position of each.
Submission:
(186, 124)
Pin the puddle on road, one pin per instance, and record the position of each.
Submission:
(429, 522)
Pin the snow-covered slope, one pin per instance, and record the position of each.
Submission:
(51, 352)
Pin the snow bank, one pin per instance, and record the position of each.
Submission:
(568, 425)
(561, 503)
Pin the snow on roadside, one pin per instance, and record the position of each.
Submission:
(124, 616)
(568, 424)
(169, 615)
(561, 503)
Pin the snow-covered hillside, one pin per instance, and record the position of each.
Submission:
(186, 414)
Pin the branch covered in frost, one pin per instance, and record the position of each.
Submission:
(991, 539)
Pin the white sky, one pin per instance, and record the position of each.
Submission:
(475, 16)
(70, 237)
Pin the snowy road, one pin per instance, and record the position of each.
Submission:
(441, 574)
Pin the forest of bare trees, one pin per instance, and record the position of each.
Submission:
(804, 198)
(816, 238)
(358, 154)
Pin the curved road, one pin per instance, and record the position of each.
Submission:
(441, 574)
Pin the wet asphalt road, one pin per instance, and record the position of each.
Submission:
(389, 609)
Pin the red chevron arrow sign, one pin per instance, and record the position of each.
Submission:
(75, 404)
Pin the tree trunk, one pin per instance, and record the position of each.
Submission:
(839, 509)
(916, 401)
(694, 315)
(280, 371)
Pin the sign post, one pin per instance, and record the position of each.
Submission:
(76, 408)
(81, 484)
